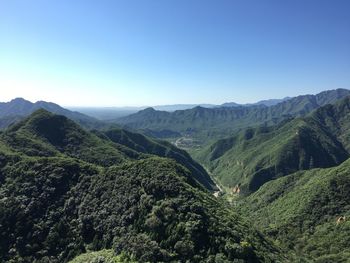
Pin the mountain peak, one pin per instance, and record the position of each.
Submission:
(54, 128)
(40, 113)
(199, 108)
(150, 109)
(19, 101)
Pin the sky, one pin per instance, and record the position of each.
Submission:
(156, 52)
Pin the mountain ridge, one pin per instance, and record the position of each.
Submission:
(20, 108)
(204, 123)
(110, 113)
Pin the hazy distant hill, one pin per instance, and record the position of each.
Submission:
(110, 113)
(257, 155)
(218, 122)
(18, 108)
(65, 191)
(269, 102)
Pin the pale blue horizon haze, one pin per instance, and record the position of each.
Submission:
(135, 53)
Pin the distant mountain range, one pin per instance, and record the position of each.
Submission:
(175, 107)
(204, 123)
(267, 103)
(109, 113)
(17, 109)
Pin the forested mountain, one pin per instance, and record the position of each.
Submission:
(218, 122)
(17, 109)
(65, 191)
(142, 144)
(257, 155)
(47, 134)
(306, 212)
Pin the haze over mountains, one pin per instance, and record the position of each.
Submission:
(108, 113)
(19, 108)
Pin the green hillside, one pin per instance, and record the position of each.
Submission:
(58, 201)
(300, 212)
(257, 155)
(142, 144)
(46, 134)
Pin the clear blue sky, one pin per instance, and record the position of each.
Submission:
(149, 52)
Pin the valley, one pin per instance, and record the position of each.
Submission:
(189, 131)
(186, 143)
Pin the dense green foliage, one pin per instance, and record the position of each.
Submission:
(213, 123)
(46, 134)
(301, 210)
(65, 191)
(257, 155)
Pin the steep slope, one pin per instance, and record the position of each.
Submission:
(20, 108)
(146, 145)
(301, 210)
(257, 155)
(56, 202)
(204, 123)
